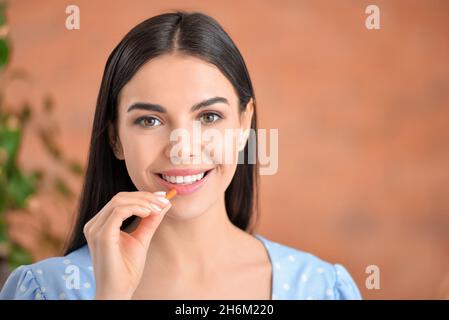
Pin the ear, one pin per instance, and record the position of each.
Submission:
(114, 142)
(245, 121)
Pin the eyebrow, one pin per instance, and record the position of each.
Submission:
(158, 108)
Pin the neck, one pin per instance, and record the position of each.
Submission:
(197, 243)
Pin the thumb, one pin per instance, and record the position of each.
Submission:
(148, 225)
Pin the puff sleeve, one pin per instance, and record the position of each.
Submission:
(345, 287)
(21, 285)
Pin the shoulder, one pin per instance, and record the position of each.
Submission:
(302, 275)
(66, 277)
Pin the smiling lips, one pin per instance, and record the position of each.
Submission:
(185, 181)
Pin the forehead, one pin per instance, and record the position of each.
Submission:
(174, 80)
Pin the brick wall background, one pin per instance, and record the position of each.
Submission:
(362, 118)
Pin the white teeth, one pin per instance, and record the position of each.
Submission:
(183, 179)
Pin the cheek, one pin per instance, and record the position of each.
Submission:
(226, 173)
(224, 153)
(140, 153)
(221, 146)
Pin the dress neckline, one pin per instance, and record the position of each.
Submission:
(266, 245)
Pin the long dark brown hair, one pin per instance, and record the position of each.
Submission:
(194, 34)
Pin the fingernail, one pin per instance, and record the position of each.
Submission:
(155, 207)
(145, 209)
(160, 193)
(163, 200)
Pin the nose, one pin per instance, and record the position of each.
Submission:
(185, 145)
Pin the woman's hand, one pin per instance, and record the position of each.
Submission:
(119, 257)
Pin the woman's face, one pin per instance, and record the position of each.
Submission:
(170, 139)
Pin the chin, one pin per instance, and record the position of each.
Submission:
(187, 214)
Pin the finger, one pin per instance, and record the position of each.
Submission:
(122, 198)
(111, 227)
(157, 197)
(127, 198)
(115, 201)
(155, 201)
(147, 227)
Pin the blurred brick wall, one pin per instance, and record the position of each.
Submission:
(362, 117)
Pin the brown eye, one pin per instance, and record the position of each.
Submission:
(210, 117)
(148, 122)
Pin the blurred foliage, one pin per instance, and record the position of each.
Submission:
(4, 47)
(16, 185)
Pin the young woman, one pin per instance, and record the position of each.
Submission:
(130, 241)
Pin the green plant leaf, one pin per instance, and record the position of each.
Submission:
(38, 175)
(18, 256)
(3, 232)
(4, 52)
(2, 13)
(63, 188)
(50, 145)
(20, 187)
(75, 168)
(10, 141)
(25, 114)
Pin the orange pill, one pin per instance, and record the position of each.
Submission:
(170, 194)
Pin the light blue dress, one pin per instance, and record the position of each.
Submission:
(295, 275)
